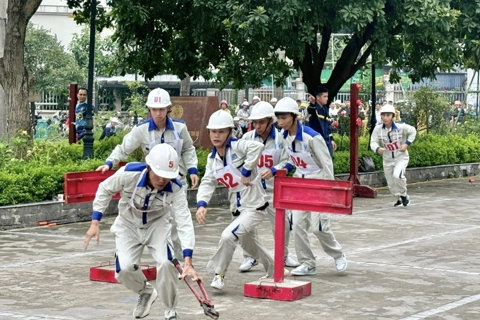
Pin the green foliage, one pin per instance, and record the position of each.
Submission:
(426, 111)
(248, 41)
(49, 65)
(104, 51)
(38, 176)
(136, 98)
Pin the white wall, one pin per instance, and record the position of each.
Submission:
(55, 16)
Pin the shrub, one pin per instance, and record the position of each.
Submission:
(39, 175)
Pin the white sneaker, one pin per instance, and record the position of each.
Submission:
(171, 315)
(145, 300)
(290, 262)
(247, 264)
(218, 282)
(303, 270)
(341, 263)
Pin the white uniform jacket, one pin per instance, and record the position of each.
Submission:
(242, 156)
(392, 139)
(308, 153)
(140, 205)
(273, 157)
(146, 135)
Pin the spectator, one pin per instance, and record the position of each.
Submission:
(458, 112)
(273, 101)
(237, 131)
(110, 129)
(243, 114)
(224, 106)
(81, 113)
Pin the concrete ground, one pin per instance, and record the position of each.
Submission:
(418, 262)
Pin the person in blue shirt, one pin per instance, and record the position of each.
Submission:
(319, 117)
(81, 113)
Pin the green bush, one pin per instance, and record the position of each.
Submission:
(38, 176)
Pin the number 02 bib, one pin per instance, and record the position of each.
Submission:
(231, 178)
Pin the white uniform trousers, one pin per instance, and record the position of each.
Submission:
(240, 231)
(319, 224)
(394, 171)
(270, 213)
(130, 242)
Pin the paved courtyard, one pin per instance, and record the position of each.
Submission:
(418, 262)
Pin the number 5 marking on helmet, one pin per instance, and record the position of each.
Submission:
(170, 164)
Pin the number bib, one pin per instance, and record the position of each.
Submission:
(304, 162)
(231, 178)
(268, 159)
(391, 146)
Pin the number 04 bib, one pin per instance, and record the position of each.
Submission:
(304, 162)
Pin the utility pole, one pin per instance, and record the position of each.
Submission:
(88, 139)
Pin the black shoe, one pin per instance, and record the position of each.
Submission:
(405, 200)
(399, 202)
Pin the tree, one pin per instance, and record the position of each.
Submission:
(13, 74)
(51, 67)
(104, 51)
(245, 40)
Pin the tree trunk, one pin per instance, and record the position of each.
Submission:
(349, 63)
(13, 74)
(185, 86)
(3, 105)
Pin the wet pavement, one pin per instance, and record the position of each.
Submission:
(415, 262)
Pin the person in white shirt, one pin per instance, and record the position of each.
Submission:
(237, 131)
(392, 140)
(243, 115)
(149, 191)
(265, 132)
(160, 128)
(308, 153)
(231, 163)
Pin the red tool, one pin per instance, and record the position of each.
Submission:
(205, 303)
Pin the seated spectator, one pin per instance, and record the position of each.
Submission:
(110, 129)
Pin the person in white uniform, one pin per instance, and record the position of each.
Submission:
(392, 140)
(160, 128)
(308, 153)
(266, 133)
(148, 192)
(232, 162)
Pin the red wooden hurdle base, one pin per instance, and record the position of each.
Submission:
(289, 290)
(106, 273)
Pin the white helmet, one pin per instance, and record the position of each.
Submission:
(158, 98)
(220, 120)
(256, 98)
(388, 108)
(273, 100)
(236, 119)
(262, 110)
(163, 160)
(287, 105)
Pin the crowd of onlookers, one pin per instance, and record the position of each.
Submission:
(338, 109)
